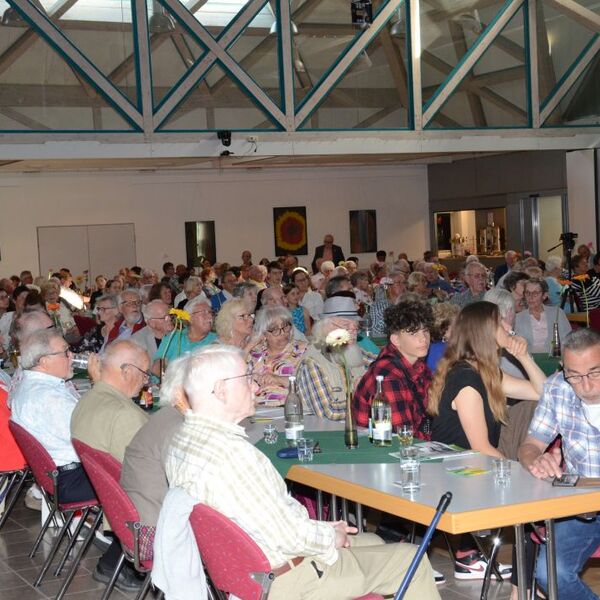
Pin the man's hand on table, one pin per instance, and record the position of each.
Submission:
(342, 530)
(547, 465)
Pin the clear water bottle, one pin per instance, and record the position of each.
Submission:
(293, 414)
(381, 417)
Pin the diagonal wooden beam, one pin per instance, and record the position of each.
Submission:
(22, 119)
(396, 65)
(584, 16)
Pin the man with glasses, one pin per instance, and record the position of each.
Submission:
(158, 324)
(476, 280)
(569, 406)
(130, 306)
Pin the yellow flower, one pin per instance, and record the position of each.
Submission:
(337, 338)
(582, 277)
(182, 315)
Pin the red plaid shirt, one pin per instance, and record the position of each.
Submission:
(406, 409)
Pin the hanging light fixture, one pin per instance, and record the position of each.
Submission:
(160, 21)
(12, 18)
(398, 28)
(273, 30)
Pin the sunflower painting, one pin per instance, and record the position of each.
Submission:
(290, 230)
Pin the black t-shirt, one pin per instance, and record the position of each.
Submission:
(446, 426)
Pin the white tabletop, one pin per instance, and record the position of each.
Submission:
(477, 502)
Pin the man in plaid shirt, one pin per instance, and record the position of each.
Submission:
(406, 377)
(569, 406)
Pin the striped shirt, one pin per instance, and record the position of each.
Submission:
(214, 463)
(560, 410)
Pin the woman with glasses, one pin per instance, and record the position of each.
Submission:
(234, 323)
(274, 355)
(309, 299)
(107, 314)
(536, 323)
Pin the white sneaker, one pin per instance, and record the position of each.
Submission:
(473, 566)
(439, 577)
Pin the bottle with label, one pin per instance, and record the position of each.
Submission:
(556, 349)
(381, 417)
(293, 415)
(146, 398)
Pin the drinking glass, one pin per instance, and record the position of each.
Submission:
(270, 433)
(501, 472)
(410, 469)
(305, 449)
(405, 435)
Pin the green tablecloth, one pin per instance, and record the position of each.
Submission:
(334, 451)
(546, 363)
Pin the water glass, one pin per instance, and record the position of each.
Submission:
(405, 435)
(501, 472)
(270, 433)
(410, 469)
(80, 361)
(305, 449)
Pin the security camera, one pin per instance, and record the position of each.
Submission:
(225, 137)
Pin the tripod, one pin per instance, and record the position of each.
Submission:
(567, 240)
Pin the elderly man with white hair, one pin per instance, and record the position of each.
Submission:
(130, 307)
(476, 280)
(212, 461)
(158, 324)
(321, 381)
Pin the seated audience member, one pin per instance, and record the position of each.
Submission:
(510, 258)
(192, 287)
(8, 319)
(476, 281)
(417, 284)
(161, 291)
(569, 406)
(228, 283)
(320, 279)
(536, 323)
(114, 286)
(159, 323)
(209, 282)
(211, 460)
(143, 476)
(248, 292)
(587, 290)
(257, 276)
(274, 274)
(234, 323)
(275, 355)
(312, 301)
(107, 315)
(196, 334)
(59, 311)
(515, 282)
(321, 379)
(131, 320)
(26, 278)
(444, 315)
(554, 269)
(338, 283)
(99, 290)
(362, 288)
(439, 287)
(406, 377)
(272, 297)
(386, 295)
(300, 316)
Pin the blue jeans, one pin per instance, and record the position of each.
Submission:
(576, 541)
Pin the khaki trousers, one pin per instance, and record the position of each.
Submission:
(368, 566)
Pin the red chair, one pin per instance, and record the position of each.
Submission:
(104, 472)
(235, 564)
(46, 476)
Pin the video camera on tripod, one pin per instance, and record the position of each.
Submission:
(568, 240)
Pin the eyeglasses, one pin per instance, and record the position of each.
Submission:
(478, 275)
(207, 314)
(248, 375)
(245, 316)
(277, 331)
(131, 303)
(577, 379)
(64, 353)
(104, 308)
(146, 374)
(535, 293)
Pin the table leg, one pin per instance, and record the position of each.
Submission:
(319, 505)
(521, 569)
(359, 517)
(334, 508)
(344, 510)
(551, 560)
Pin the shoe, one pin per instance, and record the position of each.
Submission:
(127, 580)
(473, 566)
(439, 577)
(31, 501)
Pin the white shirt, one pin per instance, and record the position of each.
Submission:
(43, 404)
(539, 331)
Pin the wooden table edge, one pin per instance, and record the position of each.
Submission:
(451, 522)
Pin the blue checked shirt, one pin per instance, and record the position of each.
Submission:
(560, 410)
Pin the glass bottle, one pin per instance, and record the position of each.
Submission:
(556, 349)
(293, 415)
(381, 416)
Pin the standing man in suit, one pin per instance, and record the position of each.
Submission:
(328, 251)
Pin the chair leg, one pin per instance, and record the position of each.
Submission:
(72, 542)
(488, 570)
(111, 584)
(481, 549)
(14, 497)
(5, 492)
(145, 587)
(43, 530)
(81, 552)
(54, 549)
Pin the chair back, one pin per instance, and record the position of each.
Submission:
(116, 504)
(109, 462)
(594, 316)
(40, 462)
(234, 562)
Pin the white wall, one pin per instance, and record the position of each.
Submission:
(241, 203)
(581, 195)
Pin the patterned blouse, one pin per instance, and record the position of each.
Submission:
(283, 364)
